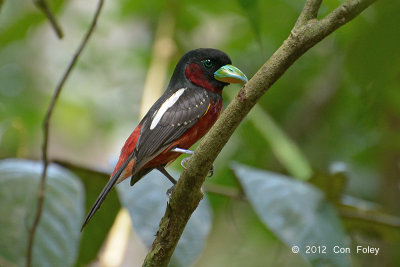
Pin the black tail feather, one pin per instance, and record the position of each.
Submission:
(105, 191)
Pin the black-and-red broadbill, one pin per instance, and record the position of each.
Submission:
(181, 116)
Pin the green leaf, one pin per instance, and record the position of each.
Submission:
(296, 212)
(96, 231)
(57, 236)
(252, 11)
(146, 202)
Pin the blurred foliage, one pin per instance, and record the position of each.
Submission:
(305, 219)
(338, 105)
(57, 238)
(146, 203)
(94, 236)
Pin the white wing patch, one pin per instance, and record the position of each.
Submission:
(165, 106)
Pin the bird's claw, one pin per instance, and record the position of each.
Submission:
(210, 172)
(183, 162)
(170, 190)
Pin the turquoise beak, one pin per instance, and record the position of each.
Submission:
(230, 74)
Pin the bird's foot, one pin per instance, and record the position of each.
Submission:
(210, 172)
(170, 190)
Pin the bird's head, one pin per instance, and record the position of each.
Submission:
(208, 68)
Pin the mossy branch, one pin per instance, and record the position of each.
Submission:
(307, 32)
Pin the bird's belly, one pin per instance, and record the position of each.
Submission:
(190, 137)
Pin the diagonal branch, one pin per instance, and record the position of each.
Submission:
(366, 215)
(46, 124)
(42, 4)
(344, 13)
(187, 193)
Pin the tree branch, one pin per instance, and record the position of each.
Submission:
(345, 211)
(309, 12)
(46, 124)
(224, 191)
(42, 5)
(187, 193)
(369, 216)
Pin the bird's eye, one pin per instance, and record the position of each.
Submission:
(208, 63)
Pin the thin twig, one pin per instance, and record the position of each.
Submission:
(42, 186)
(187, 193)
(345, 210)
(42, 4)
(225, 191)
(370, 216)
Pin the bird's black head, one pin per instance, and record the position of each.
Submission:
(208, 68)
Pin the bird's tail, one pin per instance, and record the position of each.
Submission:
(106, 190)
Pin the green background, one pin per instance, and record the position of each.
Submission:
(338, 107)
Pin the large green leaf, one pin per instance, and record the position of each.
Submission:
(146, 203)
(297, 213)
(57, 236)
(96, 231)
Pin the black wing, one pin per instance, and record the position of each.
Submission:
(175, 121)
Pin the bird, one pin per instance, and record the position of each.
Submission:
(184, 113)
